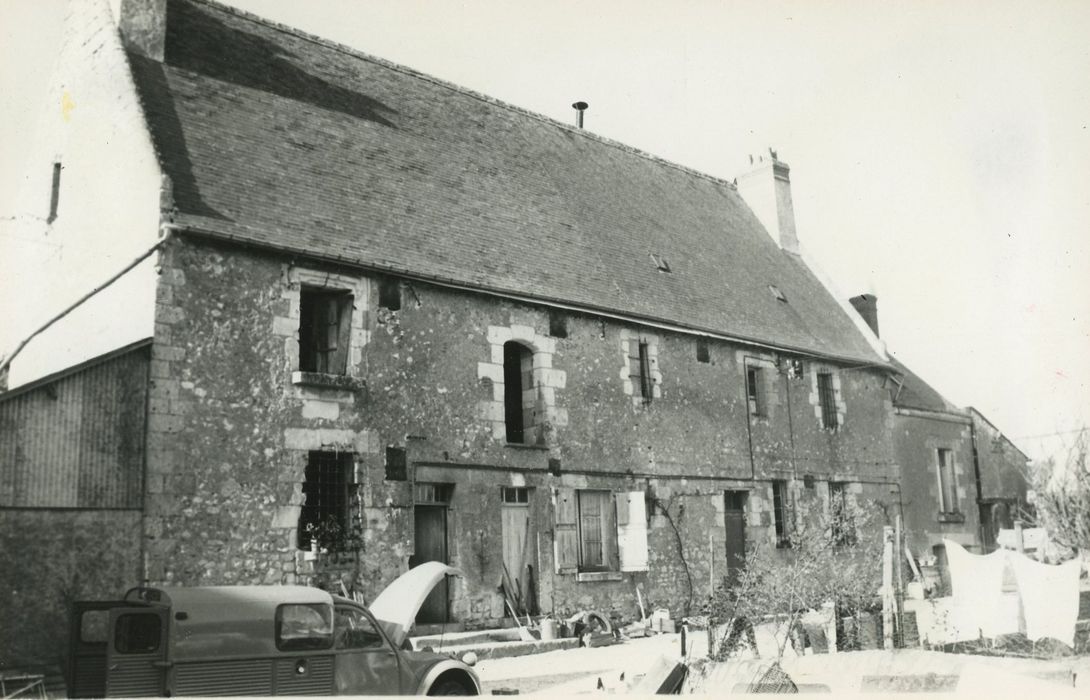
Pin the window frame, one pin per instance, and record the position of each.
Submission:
(331, 356)
(947, 467)
(756, 399)
(781, 513)
(826, 387)
(518, 373)
(647, 385)
(343, 467)
(606, 530)
(322, 642)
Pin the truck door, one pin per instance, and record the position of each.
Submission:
(136, 652)
(366, 662)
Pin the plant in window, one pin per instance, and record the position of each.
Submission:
(327, 534)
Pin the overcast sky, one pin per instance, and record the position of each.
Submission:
(938, 150)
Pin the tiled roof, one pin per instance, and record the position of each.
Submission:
(281, 139)
(916, 393)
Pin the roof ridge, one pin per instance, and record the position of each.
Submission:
(344, 48)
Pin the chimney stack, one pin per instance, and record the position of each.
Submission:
(143, 27)
(580, 107)
(766, 188)
(867, 306)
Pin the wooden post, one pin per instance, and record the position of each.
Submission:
(887, 587)
(1019, 541)
(898, 578)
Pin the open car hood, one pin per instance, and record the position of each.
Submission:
(396, 607)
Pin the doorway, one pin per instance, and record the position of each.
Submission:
(515, 527)
(431, 503)
(734, 518)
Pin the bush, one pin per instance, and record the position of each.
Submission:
(832, 554)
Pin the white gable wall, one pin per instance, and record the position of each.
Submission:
(108, 210)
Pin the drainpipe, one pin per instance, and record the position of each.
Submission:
(979, 489)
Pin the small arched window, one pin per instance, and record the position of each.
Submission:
(519, 396)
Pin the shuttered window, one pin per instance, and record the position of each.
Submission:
(596, 530)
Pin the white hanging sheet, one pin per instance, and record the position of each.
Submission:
(1049, 595)
(977, 583)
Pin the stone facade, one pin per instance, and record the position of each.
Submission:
(918, 436)
(233, 422)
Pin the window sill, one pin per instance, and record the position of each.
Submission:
(526, 446)
(320, 380)
(951, 517)
(593, 576)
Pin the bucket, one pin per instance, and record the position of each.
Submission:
(548, 630)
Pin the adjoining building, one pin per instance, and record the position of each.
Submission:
(962, 479)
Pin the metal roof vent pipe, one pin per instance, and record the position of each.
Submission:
(580, 107)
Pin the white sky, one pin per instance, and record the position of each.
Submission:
(938, 150)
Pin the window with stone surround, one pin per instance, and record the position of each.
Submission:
(641, 371)
(325, 327)
(520, 397)
(827, 398)
(948, 487)
(755, 391)
(327, 481)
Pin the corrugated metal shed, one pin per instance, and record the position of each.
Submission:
(76, 439)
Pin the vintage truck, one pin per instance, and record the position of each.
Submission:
(259, 640)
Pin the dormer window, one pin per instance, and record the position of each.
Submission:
(777, 293)
(660, 263)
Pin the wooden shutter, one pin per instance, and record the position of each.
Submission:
(341, 326)
(610, 555)
(631, 531)
(566, 535)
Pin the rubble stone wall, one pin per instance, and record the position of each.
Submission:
(230, 432)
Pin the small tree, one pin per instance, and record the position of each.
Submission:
(1062, 496)
(832, 555)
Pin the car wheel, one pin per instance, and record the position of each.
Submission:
(449, 687)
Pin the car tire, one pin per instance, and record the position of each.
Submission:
(449, 687)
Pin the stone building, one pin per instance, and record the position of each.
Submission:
(962, 479)
(405, 321)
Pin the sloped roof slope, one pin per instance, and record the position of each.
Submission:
(281, 139)
(916, 393)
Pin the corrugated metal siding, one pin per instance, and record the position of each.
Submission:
(77, 442)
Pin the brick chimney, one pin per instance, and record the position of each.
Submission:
(766, 188)
(867, 306)
(143, 27)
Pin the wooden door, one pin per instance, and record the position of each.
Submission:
(431, 545)
(515, 523)
(735, 522)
